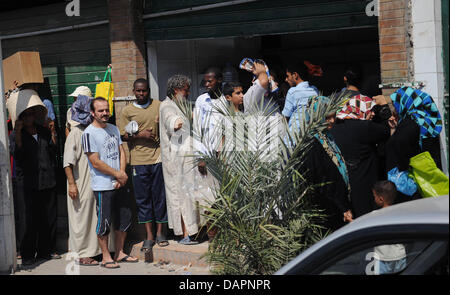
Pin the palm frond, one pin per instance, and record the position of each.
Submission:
(261, 210)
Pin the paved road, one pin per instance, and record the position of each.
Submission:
(59, 266)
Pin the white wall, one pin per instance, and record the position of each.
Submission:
(8, 261)
(428, 61)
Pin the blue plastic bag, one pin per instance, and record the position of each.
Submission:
(405, 184)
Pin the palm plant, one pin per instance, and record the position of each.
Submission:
(261, 207)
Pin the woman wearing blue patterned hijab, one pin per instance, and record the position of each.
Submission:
(418, 129)
(420, 107)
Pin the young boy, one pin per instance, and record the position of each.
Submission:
(391, 258)
(234, 94)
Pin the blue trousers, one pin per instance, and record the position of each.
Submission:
(150, 193)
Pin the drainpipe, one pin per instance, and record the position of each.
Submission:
(62, 29)
(196, 8)
(8, 261)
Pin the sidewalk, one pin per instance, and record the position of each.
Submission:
(64, 266)
(175, 259)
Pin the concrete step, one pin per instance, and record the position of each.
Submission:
(174, 253)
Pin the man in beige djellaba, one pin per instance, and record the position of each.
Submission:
(181, 175)
(80, 197)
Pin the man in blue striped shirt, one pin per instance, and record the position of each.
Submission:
(103, 146)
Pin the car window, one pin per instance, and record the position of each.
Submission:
(378, 259)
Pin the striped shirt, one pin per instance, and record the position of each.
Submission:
(105, 142)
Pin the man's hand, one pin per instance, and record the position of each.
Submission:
(392, 124)
(121, 177)
(259, 68)
(73, 191)
(202, 168)
(348, 216)
(147, 134)
(178, 124)
(370, 115)
(380, 99)
(51, 126)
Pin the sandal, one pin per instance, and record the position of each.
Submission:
(109, 263)
(147, 245)
(125, 259)
(87, 262)
(162, 241)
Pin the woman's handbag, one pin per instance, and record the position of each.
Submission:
(432, 182)
(106, 90)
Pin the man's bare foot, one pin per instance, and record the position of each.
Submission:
(88, 261)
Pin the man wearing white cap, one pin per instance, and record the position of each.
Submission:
(83, 90)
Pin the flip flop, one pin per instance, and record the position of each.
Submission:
(107, 263)
(147, 245)
(87, 264)
(127, 261)
(162, 241)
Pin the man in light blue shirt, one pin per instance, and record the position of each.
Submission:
(103, 146)
(298, 95)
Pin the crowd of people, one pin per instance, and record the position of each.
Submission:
(364, 141)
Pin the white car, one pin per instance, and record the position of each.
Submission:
(408, 238)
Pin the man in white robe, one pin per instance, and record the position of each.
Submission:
(178, 167)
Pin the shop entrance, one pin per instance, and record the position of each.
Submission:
(333, 50)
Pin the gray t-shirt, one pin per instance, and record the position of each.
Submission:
(105, 142)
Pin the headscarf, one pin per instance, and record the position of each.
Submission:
(327, 141)
(356, 107)
(81, 111)
(420, 107)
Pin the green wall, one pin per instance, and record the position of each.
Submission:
(263, 17)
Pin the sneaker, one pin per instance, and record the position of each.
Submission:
(187, 241)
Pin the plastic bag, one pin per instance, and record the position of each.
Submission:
(432, 182)
(402, 181)
(106, 90)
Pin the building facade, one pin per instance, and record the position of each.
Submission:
(393, 42)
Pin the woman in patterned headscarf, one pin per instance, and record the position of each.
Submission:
(419, 125)
(357, 137)
(325, 165)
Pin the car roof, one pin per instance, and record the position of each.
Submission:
(433, 210)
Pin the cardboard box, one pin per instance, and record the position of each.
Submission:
(23, 67)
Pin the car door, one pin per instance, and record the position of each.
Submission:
(396, 249)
